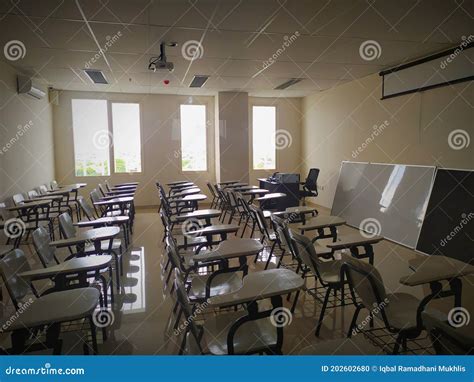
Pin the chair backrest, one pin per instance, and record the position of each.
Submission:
(32, 194)
(86, 208)
(223, 197)
(312, 179)
(211, 189)
(365, 279)
(245, 205)
(260, 219)
(173, 254)
(103, 189)
(95, 196)
(305, 252)
(282, 232)
(45, 252)
(107, 185)
(186, 306)
(446, 339)
(11, 265)
(232, 199)
(66, 225)
(54, 185)
(18, 199)
(42, 189)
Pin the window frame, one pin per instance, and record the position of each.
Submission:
(73, 141)
(206, 111)
(110, 130)
(252, 140)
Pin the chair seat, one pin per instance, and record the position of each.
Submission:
(251, 337)
(401, 310)
(221, 284)
(116, 244)
(356, 345)
(330, 271)
(4, 249)
(58, 307)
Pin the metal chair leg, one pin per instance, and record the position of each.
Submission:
(93, 335)
(323, 310)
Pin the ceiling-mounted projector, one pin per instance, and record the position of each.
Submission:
(160, 62)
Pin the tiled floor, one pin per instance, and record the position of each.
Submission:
(142, 313)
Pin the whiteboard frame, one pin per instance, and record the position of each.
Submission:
(394, 164)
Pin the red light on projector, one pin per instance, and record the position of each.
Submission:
(166, 82)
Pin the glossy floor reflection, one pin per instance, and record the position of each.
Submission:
(143, 318)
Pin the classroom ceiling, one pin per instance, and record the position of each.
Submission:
(234, 39)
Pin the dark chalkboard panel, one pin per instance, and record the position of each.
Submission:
(448, 227)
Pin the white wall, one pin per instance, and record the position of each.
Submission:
(233, 136)
(26, 138)
(338, 121)
(288, 125)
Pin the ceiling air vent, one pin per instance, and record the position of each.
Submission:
(198, 81)
(96, 76)
(289, 83)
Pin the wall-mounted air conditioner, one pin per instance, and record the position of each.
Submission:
(26, 86)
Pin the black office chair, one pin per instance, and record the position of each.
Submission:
(310, 187)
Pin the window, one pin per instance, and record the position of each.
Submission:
(263, 133)
(91, 137)
(193, 138)
(126, 137)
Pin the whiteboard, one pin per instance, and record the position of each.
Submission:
(387, 199)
